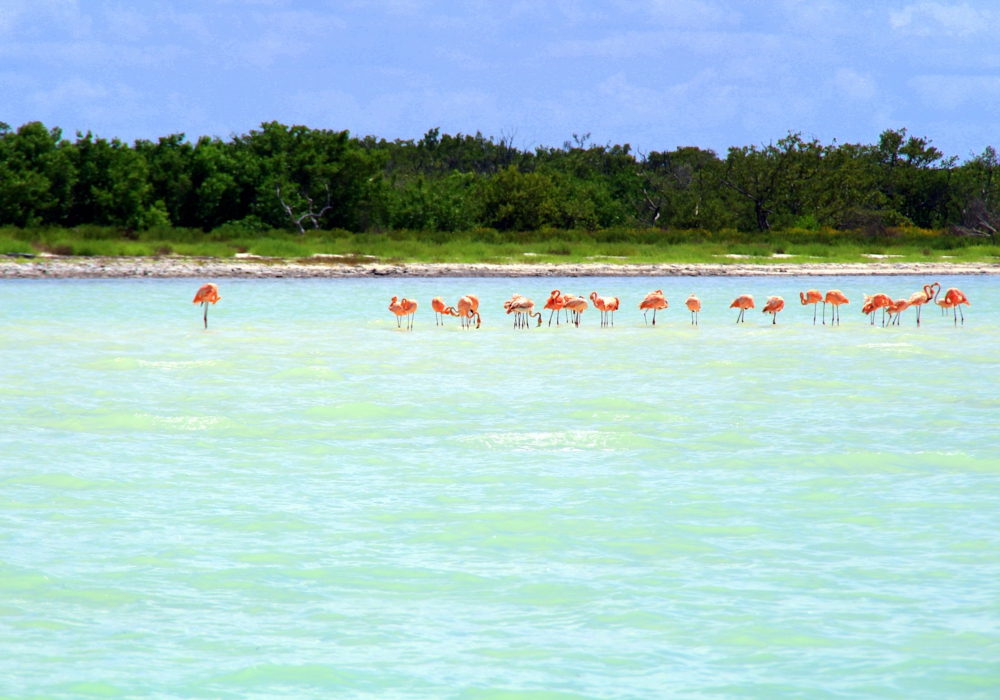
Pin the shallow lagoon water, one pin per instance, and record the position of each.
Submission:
(304, 501)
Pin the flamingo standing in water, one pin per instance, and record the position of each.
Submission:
(897, 307)
(694, 306)
(814, 297)
(521, 306)
(655, 301)
(555, 303)
(742, 302)
(929, 294)
(403, 307)
(773, 306)
(576, 305)
(410, 309)
(835, 297)
(943, 304)
(467, 310)
(875, 302)
(206, 294)
(955, 298)
(440, 310)
(607, 306)
(566, 300)
(396, 308)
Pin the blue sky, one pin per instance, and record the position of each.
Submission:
(653, 73)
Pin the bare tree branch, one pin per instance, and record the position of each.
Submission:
(313, 216)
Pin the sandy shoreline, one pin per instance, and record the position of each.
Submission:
(205, 268)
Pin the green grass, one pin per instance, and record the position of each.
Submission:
(551, 246)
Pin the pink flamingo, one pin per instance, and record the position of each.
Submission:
(576, 306)
(836, 298)
(607, 307)
(440, 310)
(742, 302)
(522, 306)
(926, 296)
(897, 307)
(773, 306)
(467, 310)
(655, 301)
(955, 298)
(814, 297)
(555, 303)
(206, 294)
(694, 306)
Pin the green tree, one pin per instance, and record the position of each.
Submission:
(774, 179)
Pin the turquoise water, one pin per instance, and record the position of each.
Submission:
(304, 501)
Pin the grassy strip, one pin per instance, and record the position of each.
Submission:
(554, 246)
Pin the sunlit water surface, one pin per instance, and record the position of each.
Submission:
(304, 501)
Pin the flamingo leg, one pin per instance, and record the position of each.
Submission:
(814, 313)
(654, 317)
(962, 314)
(644, 318)
(824, 315)
(205, 304)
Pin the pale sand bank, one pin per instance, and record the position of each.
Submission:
(49, 268)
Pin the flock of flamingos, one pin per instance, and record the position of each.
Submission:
(573, 306)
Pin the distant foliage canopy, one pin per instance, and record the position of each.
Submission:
(297, 178)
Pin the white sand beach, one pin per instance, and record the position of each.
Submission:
(177, 266)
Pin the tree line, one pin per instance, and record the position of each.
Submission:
(299, 178)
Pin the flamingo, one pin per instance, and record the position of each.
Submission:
(467, 309)
(410, 310)
(897, 307)
(875, 302)
(943, 303)
(566, 299)
(955, 298)
(773, 306)
(836, 298)
(397, 308)
(607, 307)
(555, 302)
(814, 297)
(519, 306)
(694, 306)
(576, 305)
(655, 301)
(440, 310)
(742, 302)
(929, 294)
(206, 294)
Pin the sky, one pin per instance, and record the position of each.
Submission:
(656, 74)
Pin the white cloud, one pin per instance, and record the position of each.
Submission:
(126, 23)
(853, 85)
(951, 92)
(76, 90)
(618, 45)
(930, 18)
(684, 14)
